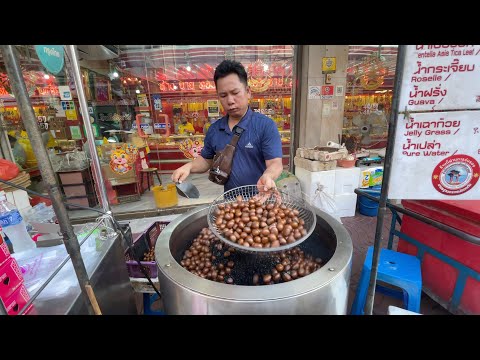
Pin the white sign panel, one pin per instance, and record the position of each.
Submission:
(65, 93)
(441, 77)
(314, 92)
(436, 156)
(326, 109)
(339, 90)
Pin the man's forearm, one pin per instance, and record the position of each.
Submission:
(200, 165)
(274, 168)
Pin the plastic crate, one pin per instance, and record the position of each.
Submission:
(141, 245)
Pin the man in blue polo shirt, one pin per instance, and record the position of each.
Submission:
(258, 154)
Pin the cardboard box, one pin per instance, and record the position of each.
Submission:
(309, 182)
(346, 204)
(346, 180)
(314, 165)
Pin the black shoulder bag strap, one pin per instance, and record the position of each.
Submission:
(237, 132)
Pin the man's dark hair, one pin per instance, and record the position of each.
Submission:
(380, 107)
(227, 67)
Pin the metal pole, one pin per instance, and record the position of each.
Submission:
(26, 111)
(386, 178)
(5, 143)
(298, 55)
(97, 169)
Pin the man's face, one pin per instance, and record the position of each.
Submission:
(234, 96)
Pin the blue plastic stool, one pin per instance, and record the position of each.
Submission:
(148, 300)
(395, 268)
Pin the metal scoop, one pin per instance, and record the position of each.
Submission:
(187, 189)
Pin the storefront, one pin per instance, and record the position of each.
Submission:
(175, 93)
(368, 95)
(150, 104)
(154, 103)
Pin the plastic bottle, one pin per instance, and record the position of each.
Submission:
(14, 226)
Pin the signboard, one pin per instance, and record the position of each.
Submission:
(326, 109)
(51, 56)
(159, 125)
(436, 156)
(327, 91)
(65, 93)
(142, 100)
(314, 92)
(69, 109)
(329, 65)
(440, 77)
(67, 105)
(157, 102)
(71, 114)
(76, 132)
(339, 90)
(213, 108)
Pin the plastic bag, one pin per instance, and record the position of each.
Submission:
(325, 202)
(75, 160)
(27, 146)
(8, 170)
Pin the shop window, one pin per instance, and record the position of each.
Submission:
(175, 93)
(368, 98)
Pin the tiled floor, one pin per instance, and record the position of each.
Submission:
(208, 192)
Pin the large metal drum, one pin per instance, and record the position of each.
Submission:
(324, 291)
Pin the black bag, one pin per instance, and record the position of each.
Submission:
(222, 161)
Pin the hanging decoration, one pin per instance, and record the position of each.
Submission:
(372, 71)
(132, 151)
(30, 77)
(259, 74)
(191, 149)
(122, 158)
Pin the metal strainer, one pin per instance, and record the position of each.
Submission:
(305, 212)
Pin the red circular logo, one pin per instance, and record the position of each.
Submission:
(455, 175)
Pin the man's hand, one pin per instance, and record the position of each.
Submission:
(181, 173)
(273, 171)
(265, 183)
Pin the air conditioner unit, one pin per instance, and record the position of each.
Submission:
(98, 52)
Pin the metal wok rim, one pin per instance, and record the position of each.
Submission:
(171, 269)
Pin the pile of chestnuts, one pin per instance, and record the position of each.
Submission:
(212, 259)
(257, 224)
(149, 255)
